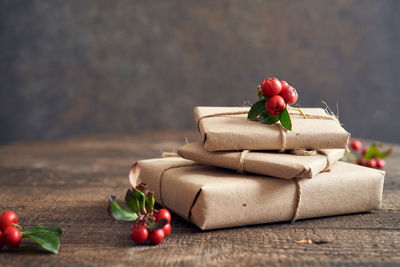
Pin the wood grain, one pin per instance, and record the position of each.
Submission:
(66, 183)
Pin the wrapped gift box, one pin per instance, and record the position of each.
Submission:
(288, 165)
(212, 197)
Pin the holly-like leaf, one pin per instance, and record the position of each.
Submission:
(374, 152)
(119, 213)
(152, 226)
(141, 199)
(132, 201)
(267, 118)
(150, 200)
(256, 109)
(46, 239)
(134, 173)
(285, 119)
(54, 230)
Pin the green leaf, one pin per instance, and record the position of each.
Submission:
(267, 118)
(54, 230)
(256, 109)
(119, 213)
(285, 119)
(47, 240)
(374, 152)
(152, 226)
(141, 198)
(132, 201)
(150, 200)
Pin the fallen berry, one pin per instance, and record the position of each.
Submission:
(380, 163)
(275, 105)
(7, 218)
(157, 236)
(163, 214)
(167, 229)
(371, 163)
(289, 94)
(271, 87)
(355, 144)
(140, 234)
(12, 237)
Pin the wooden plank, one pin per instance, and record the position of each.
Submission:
(67, 182)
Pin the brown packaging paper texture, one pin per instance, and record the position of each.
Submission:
(236, 132)
(276, 164)
(212, 197)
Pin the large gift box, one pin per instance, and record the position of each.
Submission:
(212, 197)
(227, 128)
(288, 164)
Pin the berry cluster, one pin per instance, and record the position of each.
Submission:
(369, 156)
(278, 94)
(140, 232)
(10, 235)
(149, 223)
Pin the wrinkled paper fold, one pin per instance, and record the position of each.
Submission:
(212, 197)
(236, 132)
(276, 164)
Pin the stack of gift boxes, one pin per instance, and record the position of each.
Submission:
(244, 172)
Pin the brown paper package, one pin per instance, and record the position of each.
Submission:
(236, 132)
(276, 164)
(212, 197)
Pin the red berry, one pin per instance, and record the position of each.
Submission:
(355, 145)
(140, 234)
(365, 150)
(380, 163)
(371, 163)
(361, 162)
(275, 105)
(157, 236)
(163, 214)
(1, 239)
(289, 94)
(167, 229)
(284, 83)
(7, 218)
(12, 237)
(271, 87)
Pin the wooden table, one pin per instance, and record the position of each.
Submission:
(67, 182)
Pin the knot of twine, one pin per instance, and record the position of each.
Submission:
(282, 130)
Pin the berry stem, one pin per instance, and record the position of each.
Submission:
(19, 227)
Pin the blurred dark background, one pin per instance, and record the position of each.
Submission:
(83, 67)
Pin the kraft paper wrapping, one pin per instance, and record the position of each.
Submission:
(212, 197)
(236, 132)
(276, 164)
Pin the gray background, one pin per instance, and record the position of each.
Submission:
(82, 67)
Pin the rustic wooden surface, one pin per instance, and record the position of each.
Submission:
(66, 183)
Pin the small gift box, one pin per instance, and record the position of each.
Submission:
(227, 128)
(288, 165)
(212, 197)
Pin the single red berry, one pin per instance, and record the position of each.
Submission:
(167, 229)
(271, 87)
(1, 239)
(380, 163)
(365, 150)
(275, 105)
(12, 237)
(140, 234)
(163, 214)
(361, 162)
(289, 94)
(7, 218)
(371, 163)
(355, 144)
(284, 83)
(157, 236)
